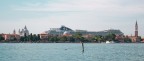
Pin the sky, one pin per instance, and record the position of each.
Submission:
(91, 15)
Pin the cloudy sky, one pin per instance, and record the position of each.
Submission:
(92, 15)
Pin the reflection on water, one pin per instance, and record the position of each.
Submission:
(70, 52)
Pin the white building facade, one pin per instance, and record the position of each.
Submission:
(24, 32)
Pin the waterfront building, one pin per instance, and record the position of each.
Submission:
(12, 36)
(43, 35)
(120, 38)
(24, 32)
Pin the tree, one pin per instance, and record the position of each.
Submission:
(31, 37)
(26, 37)
(99, 38)
(51, 39)
(78, 36)
(34, 38)
(63, 38)
(110, 37)
(1, 38)
(22, 39)
(71, 39)
(38, 37)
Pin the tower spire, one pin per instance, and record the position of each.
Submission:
(136, 29)
(25, 27)
(14, 32)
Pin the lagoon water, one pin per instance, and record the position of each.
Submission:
(70, 52)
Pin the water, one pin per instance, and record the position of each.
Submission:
(70, 52)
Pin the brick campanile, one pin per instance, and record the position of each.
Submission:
(136, 29)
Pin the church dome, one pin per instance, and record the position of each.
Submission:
(24, 31)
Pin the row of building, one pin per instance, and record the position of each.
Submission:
(14, 35)
(65, 31)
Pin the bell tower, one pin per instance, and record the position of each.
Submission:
(14, 32)
(136, 29)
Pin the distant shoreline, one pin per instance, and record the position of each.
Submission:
(68, 42)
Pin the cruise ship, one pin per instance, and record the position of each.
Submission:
(64, 29)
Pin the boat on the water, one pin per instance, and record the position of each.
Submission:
(109, 42)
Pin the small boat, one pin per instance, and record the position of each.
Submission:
(109, 42)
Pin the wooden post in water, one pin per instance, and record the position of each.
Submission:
(82, 47)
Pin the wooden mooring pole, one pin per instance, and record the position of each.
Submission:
(82, 47)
